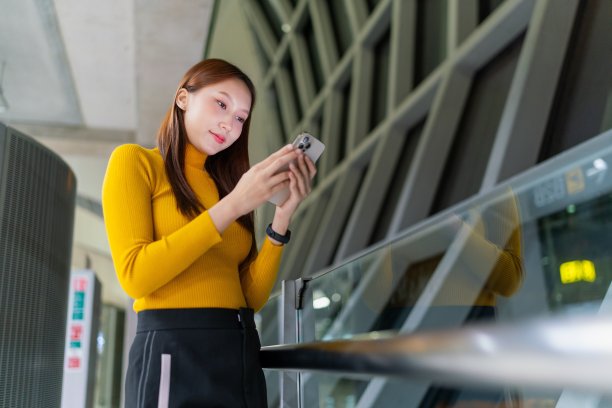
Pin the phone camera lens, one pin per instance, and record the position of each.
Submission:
(307, 145)
(301, 146)
(306, 139)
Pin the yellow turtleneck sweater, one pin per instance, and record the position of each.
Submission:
(164, 260)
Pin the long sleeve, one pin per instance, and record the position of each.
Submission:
(258, 280)
(144, 264)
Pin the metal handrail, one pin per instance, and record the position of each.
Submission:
(554, 353)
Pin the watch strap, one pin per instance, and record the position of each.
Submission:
(283, 239)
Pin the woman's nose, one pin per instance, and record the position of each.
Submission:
(225, 124)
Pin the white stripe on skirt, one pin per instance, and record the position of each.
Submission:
(164, 382)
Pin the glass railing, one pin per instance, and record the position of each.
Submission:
(537, 245)
(267, 323)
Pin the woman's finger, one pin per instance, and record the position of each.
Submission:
(276, 155)
(302, 165)
(278, 187)
(299, 181)
(277, 178)
(312, 170)
(305, 177)
(306, 172)
(279, 163)
(283, 150)
(297, 187)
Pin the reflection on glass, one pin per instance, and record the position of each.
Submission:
(335, 297)
(537, 246)
(478, 259)
(450, 274)
(267, 323)
(576, 258)
(481, 263)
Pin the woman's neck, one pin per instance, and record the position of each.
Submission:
(194, 157)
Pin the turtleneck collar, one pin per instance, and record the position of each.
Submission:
(194, 157)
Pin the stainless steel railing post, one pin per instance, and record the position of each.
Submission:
(297, 326)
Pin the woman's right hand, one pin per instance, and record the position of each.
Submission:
(264, 179)
(254, 188)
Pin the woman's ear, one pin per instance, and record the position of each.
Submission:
(181, 98)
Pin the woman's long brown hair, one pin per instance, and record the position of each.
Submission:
(225, 167)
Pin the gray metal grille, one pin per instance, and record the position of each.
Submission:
(37, 196)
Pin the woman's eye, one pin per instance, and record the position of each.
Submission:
(221, 104)
(239, 119)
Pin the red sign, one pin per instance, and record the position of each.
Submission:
(76, 332)
(74, 362)
(80, 284)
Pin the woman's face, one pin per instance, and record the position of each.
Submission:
(214, 115)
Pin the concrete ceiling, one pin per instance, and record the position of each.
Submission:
(108, 65)
(84, 76)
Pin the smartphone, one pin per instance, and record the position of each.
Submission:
(313, 148)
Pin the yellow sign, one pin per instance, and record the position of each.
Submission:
(576, 271)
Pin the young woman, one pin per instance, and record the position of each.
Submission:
(179, 219)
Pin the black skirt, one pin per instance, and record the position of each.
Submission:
(195, 358)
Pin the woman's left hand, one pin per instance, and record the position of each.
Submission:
(301, 173)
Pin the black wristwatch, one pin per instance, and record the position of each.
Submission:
(283, 239)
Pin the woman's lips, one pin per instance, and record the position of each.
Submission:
(218, 138)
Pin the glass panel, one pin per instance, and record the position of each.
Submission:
(267, 322)
(333, 391)
(576, 258)
(536, 246)
(339, 310)
(338, 391)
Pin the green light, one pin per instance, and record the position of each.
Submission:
(571, 209)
